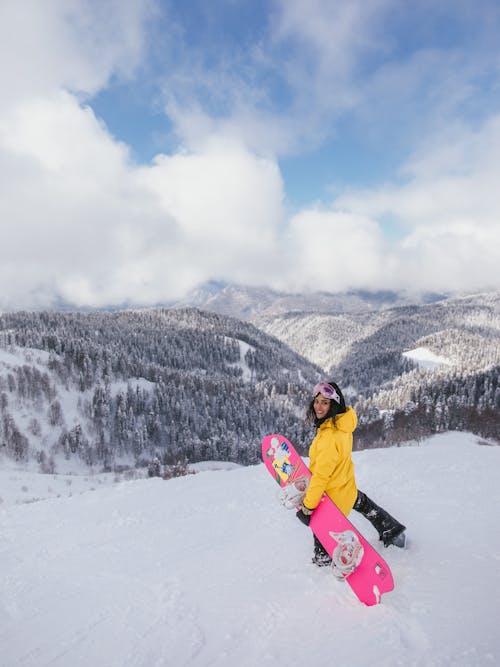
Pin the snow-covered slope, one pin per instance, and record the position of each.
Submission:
(426, 358)
(209, 569)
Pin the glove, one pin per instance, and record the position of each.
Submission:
(304, 515)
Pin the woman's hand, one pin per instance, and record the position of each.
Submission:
(304, 515)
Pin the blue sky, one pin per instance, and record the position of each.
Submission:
(149, 145)
(344, 148)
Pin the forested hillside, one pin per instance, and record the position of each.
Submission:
(369, 354)
(122, 388)
(119, 389)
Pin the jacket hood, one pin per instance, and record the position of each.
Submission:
(346, 421)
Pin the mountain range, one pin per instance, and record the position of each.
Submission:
(370, 344)
(121, 388)
(250, 303)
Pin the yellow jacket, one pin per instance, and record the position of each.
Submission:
(331, 463)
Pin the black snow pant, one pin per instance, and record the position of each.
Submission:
(320, 555)
(388, 528)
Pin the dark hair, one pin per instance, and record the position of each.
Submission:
(335, 408)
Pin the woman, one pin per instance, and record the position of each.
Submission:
(333, 470)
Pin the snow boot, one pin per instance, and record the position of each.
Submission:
(390, 531)
(320, 556)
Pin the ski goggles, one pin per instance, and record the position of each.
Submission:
(327, 391)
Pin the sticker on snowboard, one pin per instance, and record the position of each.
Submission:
(347, 555)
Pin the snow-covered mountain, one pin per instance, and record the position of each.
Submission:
(333, 340)
(375, 357)
(116, 389)
(119, 389)
(209, 569)
(374, 345)
(251, 303)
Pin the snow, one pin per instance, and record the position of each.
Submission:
(205, 466)
(24, 485)
(425, 358)
(18, 356)
(135, 383)
(242, 363)
(209, 569)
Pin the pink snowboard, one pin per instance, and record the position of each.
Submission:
(372, 576)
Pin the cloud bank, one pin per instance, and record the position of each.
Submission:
(83, 223)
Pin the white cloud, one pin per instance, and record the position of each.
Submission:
(382, 66)
(288, 90)
(65, 195)
(227, 207)
(70, 44)
(81, 222)
(332, 251)
(448, 208)
(459, 258)
(331, 38)
(221, 191)
(260, 131)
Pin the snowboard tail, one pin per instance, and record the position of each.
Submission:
(353, 558)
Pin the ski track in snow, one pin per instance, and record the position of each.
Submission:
(209, 570)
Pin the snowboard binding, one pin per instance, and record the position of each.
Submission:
(347, 554)
(293, 493)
